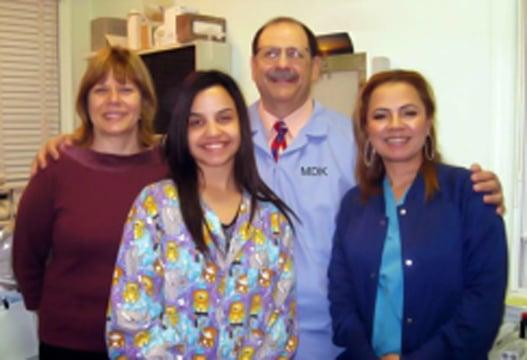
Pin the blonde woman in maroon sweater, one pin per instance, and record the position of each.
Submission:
(71, 215)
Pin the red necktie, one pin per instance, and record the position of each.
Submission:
(279, 140)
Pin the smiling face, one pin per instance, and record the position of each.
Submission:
(397, 124)
(214, 129)
(114, 109)
(283, 68)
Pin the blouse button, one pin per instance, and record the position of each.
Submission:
(408, 262)
(382, 222)
(372, 275)
(402, 212)
(409, 320)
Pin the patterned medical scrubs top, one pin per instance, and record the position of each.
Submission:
(169, 301)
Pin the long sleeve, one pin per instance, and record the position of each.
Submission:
(281, 335)
(169, 299)
(471, 331)
(348, 329)
(134, 327)
(32, 242)
(455, 271)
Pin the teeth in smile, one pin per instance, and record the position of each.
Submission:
(112, 115)
(214, 146)
(396, 140)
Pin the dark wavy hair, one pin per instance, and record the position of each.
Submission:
(184, 170)
(370, 178)
(311, 38)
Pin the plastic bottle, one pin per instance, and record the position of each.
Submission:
(146, 34)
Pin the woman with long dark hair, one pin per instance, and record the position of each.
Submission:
(205, 267)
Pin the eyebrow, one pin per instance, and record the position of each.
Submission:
(224, 110)
(103, 81)
(227, 109)
(408, 106)
(401, 107)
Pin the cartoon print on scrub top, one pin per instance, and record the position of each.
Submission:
(168, 298)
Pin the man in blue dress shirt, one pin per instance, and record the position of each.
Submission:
(311, 174)
(313, 168)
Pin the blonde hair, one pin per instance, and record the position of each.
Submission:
(125, 65)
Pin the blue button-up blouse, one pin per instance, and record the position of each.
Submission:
(454, 256)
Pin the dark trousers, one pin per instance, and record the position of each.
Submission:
(51, 352)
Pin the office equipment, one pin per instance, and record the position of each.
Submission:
(170, 65)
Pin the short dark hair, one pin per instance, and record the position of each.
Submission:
(311, 38)
(184, 170)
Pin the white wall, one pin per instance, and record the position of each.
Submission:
(74, 46)
(450, 41)
(464, 47)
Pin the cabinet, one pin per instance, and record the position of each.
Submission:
(169, 66)
(341, 78)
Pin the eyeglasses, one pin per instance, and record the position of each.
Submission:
(272, 54)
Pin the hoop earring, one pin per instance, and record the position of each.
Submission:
(369, 154)
(429, 148)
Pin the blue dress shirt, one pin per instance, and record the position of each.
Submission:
(311, 176)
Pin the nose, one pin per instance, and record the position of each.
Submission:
(283, 61)
(395, 121)
(212, 128)
(113, 95)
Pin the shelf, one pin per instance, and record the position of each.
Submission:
(208, 54)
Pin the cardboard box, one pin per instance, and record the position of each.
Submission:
(100, 27)
(191, 27)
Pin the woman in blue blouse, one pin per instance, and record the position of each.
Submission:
(419, 264)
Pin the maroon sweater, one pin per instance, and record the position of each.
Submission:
(67, 234)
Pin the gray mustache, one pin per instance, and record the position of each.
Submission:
(282, 74)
